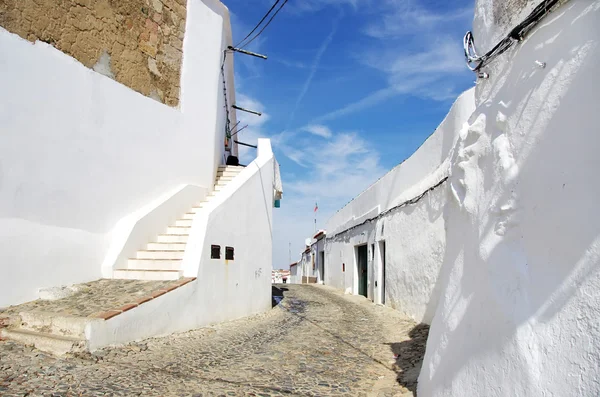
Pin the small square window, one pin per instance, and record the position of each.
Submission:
(215, 252)
(229, 253)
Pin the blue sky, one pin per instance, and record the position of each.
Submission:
(351, 88)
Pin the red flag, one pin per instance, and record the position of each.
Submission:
(316, 207)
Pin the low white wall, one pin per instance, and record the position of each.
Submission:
(414, 235)
(520, 307)
(224, 290)
(79, 152)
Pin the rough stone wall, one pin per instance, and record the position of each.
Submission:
(136, 42)
(506, 11)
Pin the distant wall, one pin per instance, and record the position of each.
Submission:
(294, 276)
(519, 308)
(414, 235)
(79, 152)
(138, 43)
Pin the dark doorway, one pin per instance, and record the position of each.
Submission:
(382, 261)
(322, 265)
(361, 266)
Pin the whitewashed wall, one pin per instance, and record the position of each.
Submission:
(317, 247)
(414, 236)
(521, 302)
(240, 217)
(294, 275)
(79, 151)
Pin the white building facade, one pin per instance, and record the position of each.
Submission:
(489, 231)
(99, 171)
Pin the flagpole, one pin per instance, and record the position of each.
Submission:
(315, 211)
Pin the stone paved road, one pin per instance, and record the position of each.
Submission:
(316, 342)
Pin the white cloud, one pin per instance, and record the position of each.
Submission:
(319, 130)
(416, 49)
(402, 18)
(255, 125)
(311, 6)
(336, 171)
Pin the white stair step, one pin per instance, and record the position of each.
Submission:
(172, 238)
(157, 254)
(218, 188)
(189, 215)
(55, 344)
(227, 173)
(183, 222)
(129, 274)
(195, 210)
(178, 230)
(166, 246)
(54, 324)
(153, 264)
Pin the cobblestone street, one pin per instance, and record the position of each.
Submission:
(315, 342)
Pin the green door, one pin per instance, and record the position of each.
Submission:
(362, 270)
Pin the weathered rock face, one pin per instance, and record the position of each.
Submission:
(136, 42)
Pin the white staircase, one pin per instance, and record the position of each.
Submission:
(162, 259)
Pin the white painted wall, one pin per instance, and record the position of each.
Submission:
(224, 290)
(414, 236)
(294, 275)
(317, 247)
(79, 152)
(521, 302)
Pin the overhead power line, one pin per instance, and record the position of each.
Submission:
(475, 62)
(258, 24)
(267, 24)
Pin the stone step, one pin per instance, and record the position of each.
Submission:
(228, 173)
(224, 179)
(195, 210)
(172, 238)
(154, 264)
(231, 167)
(158, 254)
(166, 246)
(183, 222)
(54, 324)
(181, 230)
(50, 343)
(189, 215)
(132, 274)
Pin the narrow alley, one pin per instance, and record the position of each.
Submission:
(314, 342)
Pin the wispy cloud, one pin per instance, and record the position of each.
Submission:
(405, 18)
(255, 127)
(417, 49)
(311, 6)
(335, 171)
(314, 66)
(290, 64)
(319, 130)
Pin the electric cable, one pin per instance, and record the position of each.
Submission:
(475, 62)
(267, 24)
(258, 24)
